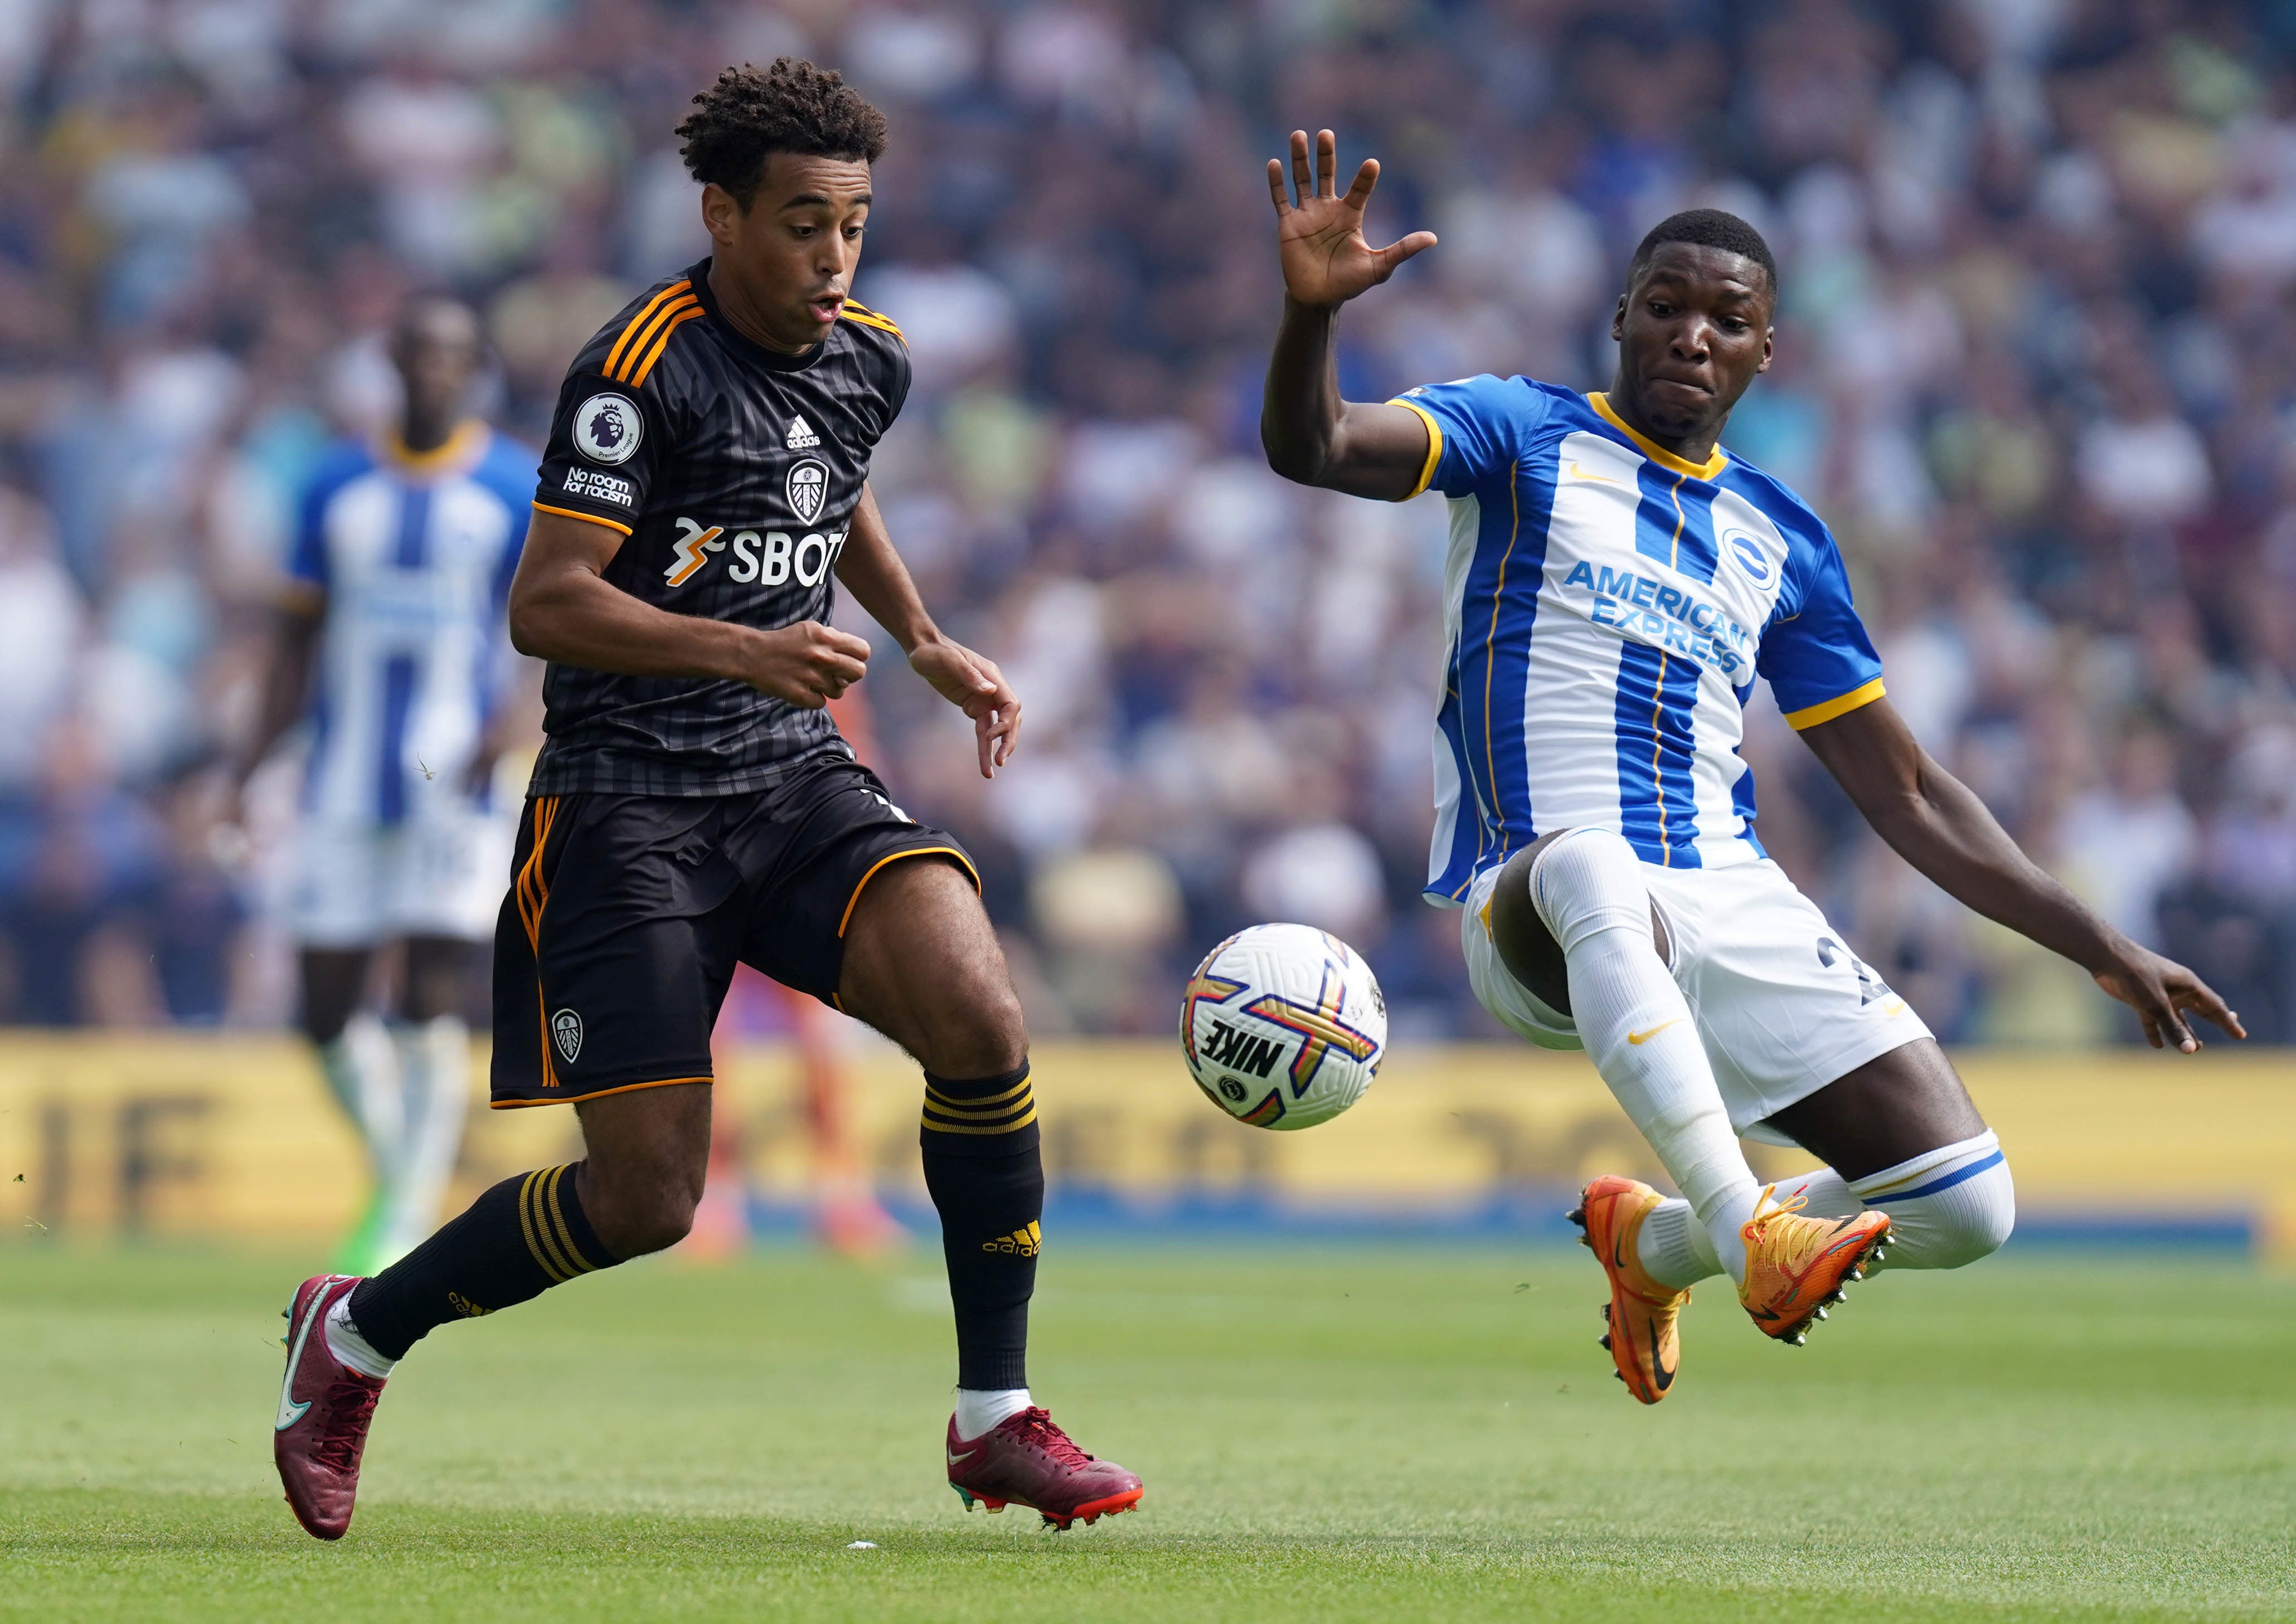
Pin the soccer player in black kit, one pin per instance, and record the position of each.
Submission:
(693, 805)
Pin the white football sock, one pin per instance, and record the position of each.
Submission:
(1954, 1205)
(1638, 1030)
(1674, 1248)
(349, 1347)
(979, 1409)
(363, 1072)
(1947, 1207)
(1825, 1193)
(434, 1068)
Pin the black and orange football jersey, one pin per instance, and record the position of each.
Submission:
(733, 471)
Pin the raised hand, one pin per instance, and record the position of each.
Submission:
(2161, 991)
(1320, 239)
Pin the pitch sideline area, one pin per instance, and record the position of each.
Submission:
(1372, 1434)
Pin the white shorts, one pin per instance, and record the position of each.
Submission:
(1784, 1007)
(442, 872)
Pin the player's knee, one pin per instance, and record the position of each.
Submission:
(1956, 1226)
(967, 1016)
(323, 1026)
(640, 1204)
(439, 973)
(978, 1031)
(636, 1223)
(326, 1007)
(1589, 880)
(1980, 1227)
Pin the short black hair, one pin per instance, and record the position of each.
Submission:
(752, 112)
(1706, 228)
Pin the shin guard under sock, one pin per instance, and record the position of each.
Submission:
(1638, 1028)
(518, 1240)
(986, 1174)
(1947, 1207)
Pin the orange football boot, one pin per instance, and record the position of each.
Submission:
(1643, 1336)
(1796, 1266)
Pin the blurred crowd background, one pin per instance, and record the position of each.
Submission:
(2036, 365)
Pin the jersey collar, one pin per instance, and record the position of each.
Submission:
(741, 343)
(1711, 468)
(458, 451)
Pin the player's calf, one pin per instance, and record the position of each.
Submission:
(985, 1171)
(515, 1243)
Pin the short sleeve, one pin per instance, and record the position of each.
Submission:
(606, 439)
(897, 381)
(506, 566)
(1474, 426)
(1819, 661)
(309, 563)
(503, 472)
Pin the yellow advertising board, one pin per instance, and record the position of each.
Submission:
(233, 1136)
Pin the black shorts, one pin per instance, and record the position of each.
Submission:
(626, 913)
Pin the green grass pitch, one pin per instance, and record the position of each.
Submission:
(1381, 1433)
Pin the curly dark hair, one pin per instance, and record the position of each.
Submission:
(752, 112)
(1706, 228)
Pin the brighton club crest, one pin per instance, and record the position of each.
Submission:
(566, 1032)
(607, 428)
(808, 489)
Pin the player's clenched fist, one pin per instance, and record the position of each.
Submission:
(1320, 239)
(807, 664)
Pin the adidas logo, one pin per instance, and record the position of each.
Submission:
(801, 437)
(1020, 1243)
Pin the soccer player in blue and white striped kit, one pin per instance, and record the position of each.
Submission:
(1615, 583)
(390, 643)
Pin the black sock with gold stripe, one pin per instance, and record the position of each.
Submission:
(987, 1176)
(518, 1240)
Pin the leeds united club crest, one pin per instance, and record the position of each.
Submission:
(566, 1032)
(808, 489)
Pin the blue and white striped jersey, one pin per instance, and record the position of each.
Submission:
(1607, 608)
(413, 555)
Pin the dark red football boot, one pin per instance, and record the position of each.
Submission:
(323, 1410)
(1025, 1460)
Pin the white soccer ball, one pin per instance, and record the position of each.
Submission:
(1284, 1026)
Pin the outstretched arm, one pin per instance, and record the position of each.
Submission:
(1933, 821)
(1310, 434)
(296, 623)
(880, 582)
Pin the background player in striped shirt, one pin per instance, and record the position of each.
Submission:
(1615, 582)
(390, 642)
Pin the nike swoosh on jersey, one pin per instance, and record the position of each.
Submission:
(290, 1412)
(1639, 1039)
(1578, 473)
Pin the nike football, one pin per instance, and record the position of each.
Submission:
(1284, 1025)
